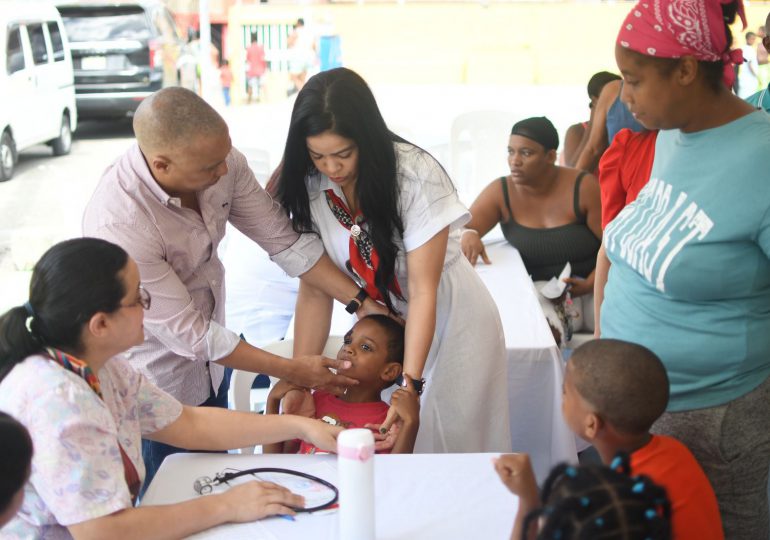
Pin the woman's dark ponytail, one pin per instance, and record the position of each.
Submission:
(71, 281)
(16, 342)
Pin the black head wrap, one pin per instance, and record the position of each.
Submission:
(540, 130)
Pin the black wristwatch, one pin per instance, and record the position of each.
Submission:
(357, 302)
(419, 384)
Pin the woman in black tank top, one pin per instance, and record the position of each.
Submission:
(551, 214)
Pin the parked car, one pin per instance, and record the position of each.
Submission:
(36, 82)
(122, 52)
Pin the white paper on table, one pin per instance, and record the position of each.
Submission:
(555, 287)
(235, 531)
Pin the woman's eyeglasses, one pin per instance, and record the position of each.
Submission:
(144, 300)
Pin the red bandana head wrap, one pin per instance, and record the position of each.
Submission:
(676, 28)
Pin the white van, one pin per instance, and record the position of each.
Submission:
(37, 93)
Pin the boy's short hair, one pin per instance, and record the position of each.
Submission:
(625, 382)
(395, 333)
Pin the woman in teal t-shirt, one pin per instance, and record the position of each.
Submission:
(690, 276)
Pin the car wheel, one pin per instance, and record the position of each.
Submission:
(63, 143)
(7, 156)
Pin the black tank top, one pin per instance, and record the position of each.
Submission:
(546, 251)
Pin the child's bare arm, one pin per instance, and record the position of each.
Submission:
(407, 405)
(284, 392)
(515, 470)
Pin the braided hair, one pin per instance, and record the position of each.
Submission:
(594, 501)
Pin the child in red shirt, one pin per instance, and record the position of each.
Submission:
(375, 348)
(613, 392)
(226, 79)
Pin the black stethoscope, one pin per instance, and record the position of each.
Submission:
(205, 484)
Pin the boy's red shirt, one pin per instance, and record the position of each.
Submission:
(694, 509)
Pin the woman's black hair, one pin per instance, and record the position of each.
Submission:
(340, 101)
(713, 72)
(594, 501)
(71, 281)
(16, 449)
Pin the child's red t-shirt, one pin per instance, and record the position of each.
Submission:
(347, 415)
(694, 509)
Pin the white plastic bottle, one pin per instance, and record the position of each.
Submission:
(355, 468)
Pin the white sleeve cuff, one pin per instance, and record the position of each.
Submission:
(220, 341)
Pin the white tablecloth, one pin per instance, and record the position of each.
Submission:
(425, 496)
(535, 367)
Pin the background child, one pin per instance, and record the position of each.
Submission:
(613, 392)
(226, 78)
(375, 349)
(16, 449)
(589, 501)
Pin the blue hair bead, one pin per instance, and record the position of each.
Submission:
(616, 462)
(651, 513)
(599, 522)
(571, 472)
(584, 501)
(638, 487)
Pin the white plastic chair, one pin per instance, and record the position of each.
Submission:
(477, 150)
(240, 393)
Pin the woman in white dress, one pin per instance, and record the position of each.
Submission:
(389, 215)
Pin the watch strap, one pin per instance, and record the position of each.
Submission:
(356, 302)
(419, 384)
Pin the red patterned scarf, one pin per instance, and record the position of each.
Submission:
(83, 370)
(364, 259)
(676, 28)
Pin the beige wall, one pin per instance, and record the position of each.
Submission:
(518, 43)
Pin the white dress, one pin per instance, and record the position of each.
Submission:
(464, 407)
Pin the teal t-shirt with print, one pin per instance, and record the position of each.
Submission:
(690, 275)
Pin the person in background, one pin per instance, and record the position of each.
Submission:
(623, 171)
(388, 214)
(585, 502)
(62, 375)
(302, 54)
(15, 466)
(690, 275)
(375, 349)
(576, 136)
(551, 214)
(761, 100)
(748, 71)
(610, 115)
(763, 62)
(226, 80)
(255, 68)
(167, 201)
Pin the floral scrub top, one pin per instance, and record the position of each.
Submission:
(77, 471)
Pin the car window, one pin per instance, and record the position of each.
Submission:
(83, 24)
(54, 32)
(37, 41)
(14, 59)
